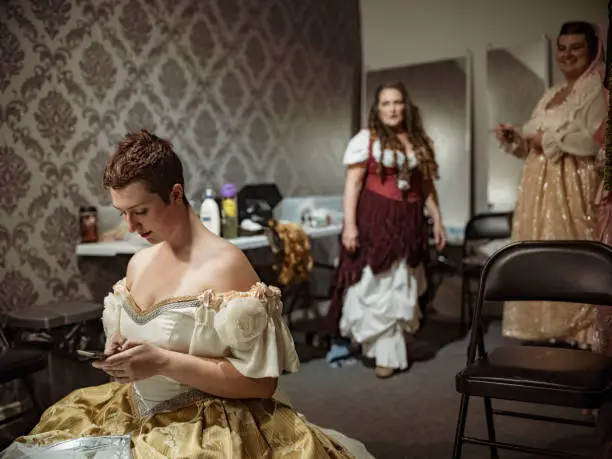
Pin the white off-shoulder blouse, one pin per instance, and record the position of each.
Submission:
(357, 151)
(570, 127)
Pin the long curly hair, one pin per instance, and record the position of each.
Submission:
(412, 125)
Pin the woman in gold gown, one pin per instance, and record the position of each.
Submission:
(603, 431)
(195, 342)
(559, 180)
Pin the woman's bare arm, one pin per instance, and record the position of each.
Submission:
(352, 187)
(215, 376)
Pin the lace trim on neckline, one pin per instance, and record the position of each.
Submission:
(209, 298)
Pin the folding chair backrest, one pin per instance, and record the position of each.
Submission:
(567, 271)
(493, 225)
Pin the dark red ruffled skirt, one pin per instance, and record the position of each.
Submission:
(389, 230)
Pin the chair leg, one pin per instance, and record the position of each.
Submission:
(308, 303)
(461, 421)
(463, 301)
(490, 426)
(470, 302)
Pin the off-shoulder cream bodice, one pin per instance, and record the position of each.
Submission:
(246, 328)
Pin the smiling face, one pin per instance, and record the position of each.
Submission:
(391, 107)
(573, 55)
(146, 213)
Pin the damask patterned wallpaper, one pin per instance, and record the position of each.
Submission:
(247, 90)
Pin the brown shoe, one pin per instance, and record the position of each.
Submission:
(384, 372)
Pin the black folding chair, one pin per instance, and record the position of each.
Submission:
(437, 267)
(566, 271)
(20, 364)
(480, 229)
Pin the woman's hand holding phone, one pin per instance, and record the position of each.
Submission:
(113, 346)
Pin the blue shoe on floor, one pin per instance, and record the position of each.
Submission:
(339, 355)
(337, 351)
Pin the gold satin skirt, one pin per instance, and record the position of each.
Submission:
(555, 202)
(208, 427)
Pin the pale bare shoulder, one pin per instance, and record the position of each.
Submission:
(139, 260)
(225, 268)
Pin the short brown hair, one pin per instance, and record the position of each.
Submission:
(144, 157)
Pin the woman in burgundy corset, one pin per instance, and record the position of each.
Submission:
(389, 181)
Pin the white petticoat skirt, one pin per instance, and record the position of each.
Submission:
(379, 309)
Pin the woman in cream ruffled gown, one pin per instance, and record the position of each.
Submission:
(559, 180)
(196, 344)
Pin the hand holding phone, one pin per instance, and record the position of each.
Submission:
(114, 344)
(92, 355)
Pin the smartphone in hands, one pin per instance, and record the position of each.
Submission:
(91, 355)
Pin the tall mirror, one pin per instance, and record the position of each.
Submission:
(517, 76)
(440, 90)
